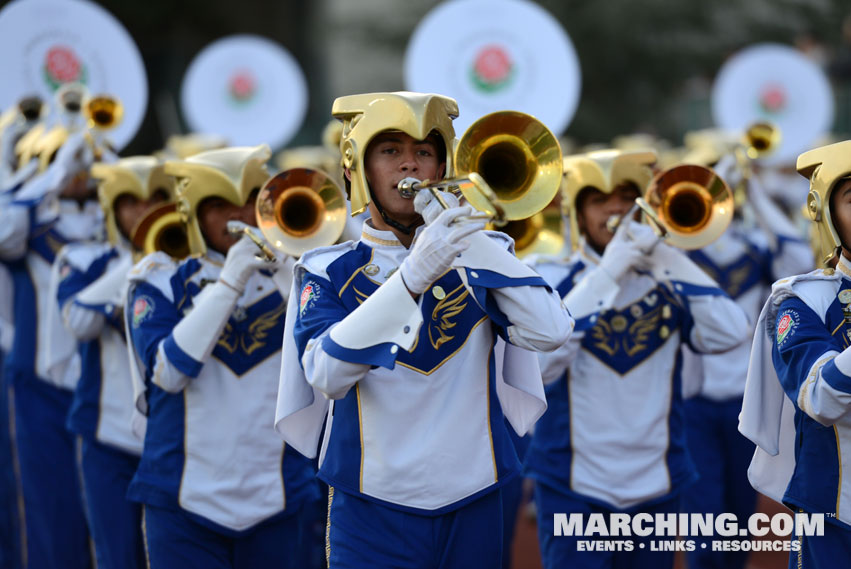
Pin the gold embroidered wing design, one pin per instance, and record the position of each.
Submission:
(602, 332)
(441, 317)
(258, 331)
(640, 331)
(228, 339)
(737, 278)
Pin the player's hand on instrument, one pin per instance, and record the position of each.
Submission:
(628, 249)
(241, 262)
(728, 168)
(436, 247)
(430, 207)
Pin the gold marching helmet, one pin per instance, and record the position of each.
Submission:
(139, 176)
(415, 114)
(602, 170)
(230, 173)
(825, 167)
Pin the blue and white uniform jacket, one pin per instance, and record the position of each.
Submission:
(31, 235)
(91, 292)
(797, 405)
(210, 447)
(614, 430)
(744, 263)
(419, 388)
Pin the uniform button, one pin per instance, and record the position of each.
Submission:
(406, 329)
(394, 349)
(474, 274)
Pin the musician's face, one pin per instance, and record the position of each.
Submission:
(213, 216)
(129, 210)
(840, 211)
(594, 208)
(393, 156)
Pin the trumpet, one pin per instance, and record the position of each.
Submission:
(509, 165)
(161, 229)
(300, 209)
(688, 206)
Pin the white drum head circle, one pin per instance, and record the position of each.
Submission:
(494, 56)
(246, 88)
(47, 43)
(776, 83)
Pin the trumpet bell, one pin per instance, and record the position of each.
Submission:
(161, 229)
(691, 203)
(301, 209)
(517, 156)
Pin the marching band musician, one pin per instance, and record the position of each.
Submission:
(798, 390)
(91, 294)
(48, 211)
(613, 438)
(219, 488)
(744, 261)
(414, 333)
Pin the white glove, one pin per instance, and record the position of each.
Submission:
(73, 157)
(436, 247)
(240, 264)
(427, 206)
(728, 168)
(628, 249)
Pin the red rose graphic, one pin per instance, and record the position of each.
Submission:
(492, 68)
(62, 65)
(772, 99)
(242, 86)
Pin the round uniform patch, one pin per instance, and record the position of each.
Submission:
(787, 322)
(845, 296)
(309, 295)
(143, 307)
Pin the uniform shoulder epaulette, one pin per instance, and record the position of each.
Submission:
(502, 238)
(156, 262)
(317, 260)
(817, 289)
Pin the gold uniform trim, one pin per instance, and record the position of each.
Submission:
(360, 432)
(145, 536)
(328, 527)
(379, 241)
(447, 358)
(354, 274)
(838, 452)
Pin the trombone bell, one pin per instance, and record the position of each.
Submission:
(301, 209)
(761, 138)
(161, 229)
(103, 112)
(517, 156)
(691, 203)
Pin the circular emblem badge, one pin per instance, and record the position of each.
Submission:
(618, 323)
(845, 296)
(371, 269)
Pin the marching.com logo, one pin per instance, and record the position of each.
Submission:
(680, 527)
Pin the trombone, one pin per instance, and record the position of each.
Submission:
(760, 139)
(689, 206)
(509, 167)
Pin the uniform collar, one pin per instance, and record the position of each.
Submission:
(843, 265)
(377, 238)
(588, 255)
